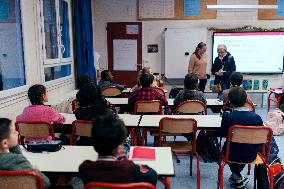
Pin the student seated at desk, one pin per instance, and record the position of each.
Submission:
(236, 80)
(147, 92)
(109, 133)
(190, 91)
(144, 70)
(107, 81)
(11, 157)
(90, 103)
(37, 111)
(239, 152)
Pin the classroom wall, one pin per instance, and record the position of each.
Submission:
(122, 11)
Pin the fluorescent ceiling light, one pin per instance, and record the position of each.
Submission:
(240, 7)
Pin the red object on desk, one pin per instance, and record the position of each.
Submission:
(142, 153)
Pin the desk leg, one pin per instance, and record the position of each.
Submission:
(166, 182)
(262, 94)
(268, 102)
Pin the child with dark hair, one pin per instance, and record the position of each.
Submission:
(239, 152)
(83, 80)
(91, 103)
(236, 80)
(109, 132)
(107, 81)
(11, 157)
(147, 92)
(37, 111)
(190, 91)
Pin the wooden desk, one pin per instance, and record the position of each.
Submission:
(207, 122)
(68, 159)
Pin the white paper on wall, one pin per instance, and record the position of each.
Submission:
(125, 54)
(156, 9)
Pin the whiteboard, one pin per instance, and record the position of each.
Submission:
(177, 42)
(125, 55)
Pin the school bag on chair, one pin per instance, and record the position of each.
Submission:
(275, 120)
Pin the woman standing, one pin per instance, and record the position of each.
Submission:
(197, 64)
(223, 66)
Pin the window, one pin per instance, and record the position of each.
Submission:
(56, 39)
(12, 70)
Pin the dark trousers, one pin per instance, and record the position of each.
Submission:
(236, 168)
(202, 84)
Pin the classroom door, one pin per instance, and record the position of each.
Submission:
(124, 46)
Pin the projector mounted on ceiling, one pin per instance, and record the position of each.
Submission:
(240, 8)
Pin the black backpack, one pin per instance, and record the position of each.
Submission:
(208, 147)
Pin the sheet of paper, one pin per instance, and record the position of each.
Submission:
(280, 10)
(125, 55)
(156, 9)
(191, 8)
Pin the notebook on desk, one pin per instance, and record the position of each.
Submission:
(143, 154)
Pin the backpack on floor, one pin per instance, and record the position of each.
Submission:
(275, 168)
(207, 147)
(275, 120)
(277, 174)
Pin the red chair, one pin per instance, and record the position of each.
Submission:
(111, 91)
(20, 179)
(34, 129)
(80, 128)
(247, 135)
(147, 107)
(106, 185)
(191, 107)
(178, 127)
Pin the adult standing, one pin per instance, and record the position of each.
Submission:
(197, 64)
(223, 66)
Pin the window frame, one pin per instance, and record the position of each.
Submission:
(60, 61)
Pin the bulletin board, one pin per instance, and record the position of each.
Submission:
(178, 11)
(268, 14)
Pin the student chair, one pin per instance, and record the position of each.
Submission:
(111, 91)
(147, 107)
(178, 127)
(160, 90)
(191, 107)
(34, 129)
(107, 185)
(80, 128)
(261, 135)
(20, 179)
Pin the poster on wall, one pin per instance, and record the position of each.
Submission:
(4, 9)
(125, 55)
(191, 8)
(132, 29)
(280, 9)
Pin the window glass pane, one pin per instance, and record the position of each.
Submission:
(12, 71)
(56, 72)
(64, 27)
(50, 29)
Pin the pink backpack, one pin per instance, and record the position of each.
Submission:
(275, 120)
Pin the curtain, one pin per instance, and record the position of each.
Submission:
(83, 39)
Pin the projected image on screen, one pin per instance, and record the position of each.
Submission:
(254, 52)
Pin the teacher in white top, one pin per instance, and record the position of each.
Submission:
(197, 64)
